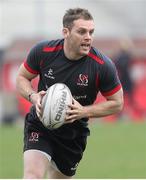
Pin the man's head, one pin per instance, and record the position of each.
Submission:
(78, 28)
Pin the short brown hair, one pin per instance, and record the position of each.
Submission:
(75, 14)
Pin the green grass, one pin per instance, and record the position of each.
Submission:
(114, 150)
(11, 152)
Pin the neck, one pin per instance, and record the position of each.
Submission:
(69, 53)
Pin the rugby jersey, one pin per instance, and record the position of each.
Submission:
(85, 77)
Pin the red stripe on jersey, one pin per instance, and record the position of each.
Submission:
(30, 69)
(51, 49)
(113, 91)
(96, 58)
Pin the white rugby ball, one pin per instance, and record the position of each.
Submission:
(55, 104)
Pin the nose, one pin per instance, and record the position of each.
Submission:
(88, 35)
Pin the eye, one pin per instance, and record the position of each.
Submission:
(91, 32)
(81, 32)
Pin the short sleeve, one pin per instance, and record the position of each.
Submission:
(32, 62)
(109, 82)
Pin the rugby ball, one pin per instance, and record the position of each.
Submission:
(55, 104)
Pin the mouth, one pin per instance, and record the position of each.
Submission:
(85, 45)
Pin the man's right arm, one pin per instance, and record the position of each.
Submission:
(24, 87)
(23, 82)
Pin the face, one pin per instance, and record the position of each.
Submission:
(80, 37)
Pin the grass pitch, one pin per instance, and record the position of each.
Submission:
(114, 150)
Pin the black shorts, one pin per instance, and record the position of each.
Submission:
(65, 145)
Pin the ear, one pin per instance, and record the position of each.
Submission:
(65, 32)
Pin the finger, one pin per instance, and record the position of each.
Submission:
(38, 115)
(69, 112)
(71, 117)
(71, 121)
(73, 101)
(72, 106)
(42, 93)
(39, 110)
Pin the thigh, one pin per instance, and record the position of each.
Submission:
(38, 165)
(35, 164)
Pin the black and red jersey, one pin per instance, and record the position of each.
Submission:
(85, 77)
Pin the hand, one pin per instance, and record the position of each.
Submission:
(76, 111)
(36, 99)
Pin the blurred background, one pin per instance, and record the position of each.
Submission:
(120, 33)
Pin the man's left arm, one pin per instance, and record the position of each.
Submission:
(112, 105)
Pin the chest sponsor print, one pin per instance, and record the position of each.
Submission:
(50, 74)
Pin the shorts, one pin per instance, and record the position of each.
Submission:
(65, 150)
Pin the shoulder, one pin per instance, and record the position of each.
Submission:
(101, 59)
(52, 46)
(48, 46)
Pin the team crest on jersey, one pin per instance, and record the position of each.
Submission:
(82, 80)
